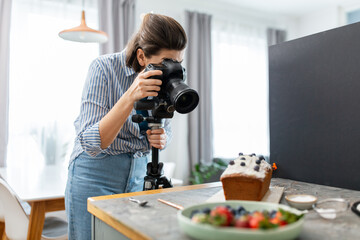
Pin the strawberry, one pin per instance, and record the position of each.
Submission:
(278, 219)
(242, 222)
(275, 220)
(221, 216)
(255, 219)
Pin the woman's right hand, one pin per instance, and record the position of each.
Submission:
(144, 87)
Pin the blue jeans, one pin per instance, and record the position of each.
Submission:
(96, 176)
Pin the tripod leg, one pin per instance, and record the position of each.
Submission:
(155, 160)
(149, 183)
(164, 182)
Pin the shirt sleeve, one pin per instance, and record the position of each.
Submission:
(94, 106)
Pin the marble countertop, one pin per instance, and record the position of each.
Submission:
(159, 221)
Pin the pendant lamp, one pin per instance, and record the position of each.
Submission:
(83, 33)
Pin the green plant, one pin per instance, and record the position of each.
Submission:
(206, 172)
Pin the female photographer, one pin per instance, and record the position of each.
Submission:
(110, 151)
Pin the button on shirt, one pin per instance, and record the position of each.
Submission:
(107, 80)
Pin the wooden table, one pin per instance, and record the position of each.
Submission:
(43, 189)
(115, 217)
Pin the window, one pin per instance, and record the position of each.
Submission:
(47, 74)
(353, 16)
(240, 90)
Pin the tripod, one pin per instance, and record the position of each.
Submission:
(154, 178)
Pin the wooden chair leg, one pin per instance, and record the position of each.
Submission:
(2, 230)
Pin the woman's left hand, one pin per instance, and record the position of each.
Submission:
(157, 138)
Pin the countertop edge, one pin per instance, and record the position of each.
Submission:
(120, 226)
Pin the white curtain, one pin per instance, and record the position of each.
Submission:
(198, 60)
(240, 89)
(275, 36)
(47, 76)
(117, 19)
(5, 13)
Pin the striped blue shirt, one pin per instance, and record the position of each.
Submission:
(107, 80)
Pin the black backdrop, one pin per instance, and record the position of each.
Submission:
(314, 91)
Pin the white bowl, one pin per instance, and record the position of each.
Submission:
(331, 208)
(209, 232)
(301, 201)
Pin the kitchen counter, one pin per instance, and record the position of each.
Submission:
(115, 217)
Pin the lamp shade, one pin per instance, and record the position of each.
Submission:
(83, 33)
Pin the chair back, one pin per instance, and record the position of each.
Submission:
(16, 221)
(2, 219)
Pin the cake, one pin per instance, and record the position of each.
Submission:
(246, 178)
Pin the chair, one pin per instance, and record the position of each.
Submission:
(17, 220)
(2, 223)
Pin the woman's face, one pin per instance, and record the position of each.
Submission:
(175, 55)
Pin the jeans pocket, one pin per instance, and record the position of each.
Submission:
(99, 156)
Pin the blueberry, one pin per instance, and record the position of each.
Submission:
(232, 162)
(240, 154)
(233, 212)
(206, 210)
(228, 207)
(257, 168)
(253, 154)
(194, 212)
(242, 164)
(242, 158)
(241, 208)
(272, 213)
(261, 157)
(258, 161)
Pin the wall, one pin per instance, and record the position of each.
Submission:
(218, 10)
(318, 21)
(324, 19)
(177, 150)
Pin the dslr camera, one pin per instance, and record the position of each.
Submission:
(174, 95)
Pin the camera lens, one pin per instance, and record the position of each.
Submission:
(186, 100)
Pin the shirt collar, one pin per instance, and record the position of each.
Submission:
(128, 71)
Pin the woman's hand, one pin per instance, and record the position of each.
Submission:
(143, 87)
(157, 138)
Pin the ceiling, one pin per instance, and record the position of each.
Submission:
(290, 7)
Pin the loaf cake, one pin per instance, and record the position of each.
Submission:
(246, 178)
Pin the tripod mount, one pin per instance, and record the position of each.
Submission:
(154, 178)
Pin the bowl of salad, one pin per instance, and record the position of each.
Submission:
(238, 220)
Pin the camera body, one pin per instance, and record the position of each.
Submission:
(174, 94)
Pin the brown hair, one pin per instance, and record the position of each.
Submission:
(156, 32)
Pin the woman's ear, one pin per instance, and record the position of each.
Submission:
(140, 55)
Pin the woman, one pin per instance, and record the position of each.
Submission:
(110, 152)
